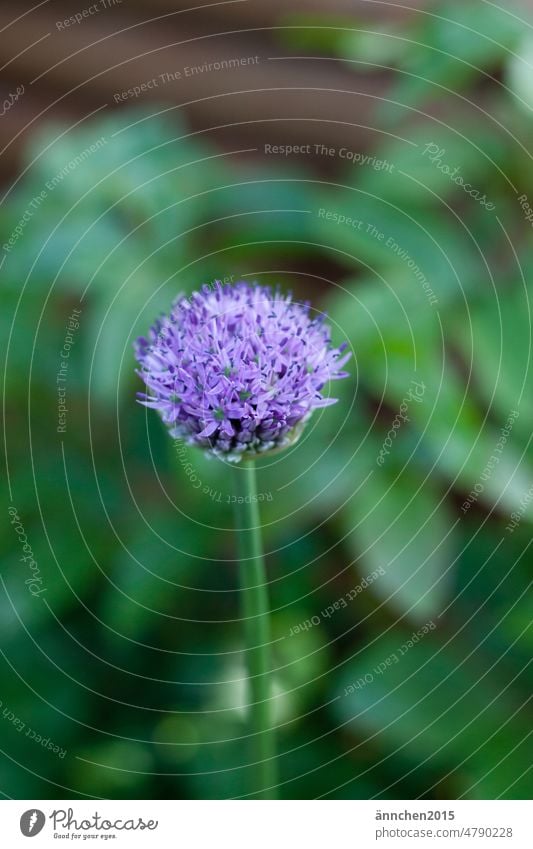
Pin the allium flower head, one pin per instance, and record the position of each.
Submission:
(238, 369)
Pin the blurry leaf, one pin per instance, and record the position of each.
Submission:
(116, 767)
(263, 204)
(520, 74)
(323, 768)
(377, 43)
(454, 42)
(429, 162)
(497, 348)
(401, 526)
(321, 32)
(426, 701)
(397, 242)
(220, 769)
(301, 658)
(499, 575)
(374, 43)
(152, 582)
(398, 344)
(112, 327)
(115, 157)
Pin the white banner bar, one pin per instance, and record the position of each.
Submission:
(267, 825)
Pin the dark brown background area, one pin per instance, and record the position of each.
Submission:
(69, 72)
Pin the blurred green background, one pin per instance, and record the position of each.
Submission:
(130, 659)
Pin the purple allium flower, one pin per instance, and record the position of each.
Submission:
(239, 369)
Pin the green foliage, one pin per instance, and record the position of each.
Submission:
(132, 659)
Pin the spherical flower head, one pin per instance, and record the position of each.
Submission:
(238, 369)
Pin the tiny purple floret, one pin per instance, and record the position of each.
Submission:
(238, 369)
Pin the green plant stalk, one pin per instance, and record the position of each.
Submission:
(256, 619)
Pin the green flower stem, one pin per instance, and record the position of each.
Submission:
(256, 616)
